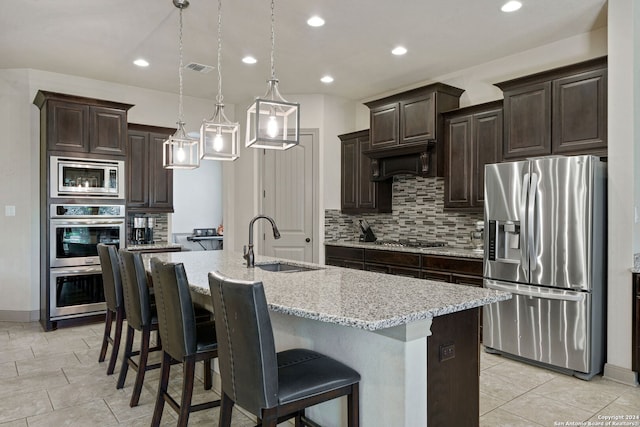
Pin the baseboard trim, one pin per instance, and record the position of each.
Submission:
(621, 375)
(19, 316)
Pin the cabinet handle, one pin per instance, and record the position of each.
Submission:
(307, 240)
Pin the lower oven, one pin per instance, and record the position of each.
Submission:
(75, 291)
(75, 276)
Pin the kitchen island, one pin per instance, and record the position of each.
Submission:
(376, 323)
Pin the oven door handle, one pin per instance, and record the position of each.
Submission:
(80, 269)
(89, 222)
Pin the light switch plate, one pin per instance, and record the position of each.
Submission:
(9, 210)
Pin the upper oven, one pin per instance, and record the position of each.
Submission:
(77, 229)
(86, 178)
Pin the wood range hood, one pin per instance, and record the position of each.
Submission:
(416, 159)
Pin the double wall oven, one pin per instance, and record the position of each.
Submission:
(75, 276)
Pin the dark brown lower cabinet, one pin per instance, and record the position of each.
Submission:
(453, 370)
(635, 340)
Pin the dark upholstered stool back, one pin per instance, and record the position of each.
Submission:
(111, 280)
(246, 348)
(176, 317)
(135, 289)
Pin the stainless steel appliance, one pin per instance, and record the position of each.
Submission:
(87, 178)
(545, 242)
(75, 277)
(142, 230)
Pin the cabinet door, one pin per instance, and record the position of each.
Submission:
(377, 268)
(350, 162)
(457, 190)
(487, 149)
(580, 113)
(417, 119)
(108, 131)
(527, 116)
(384, 125)
(161, 179)
(67, 126)
(366, 188)
(436, 275)
(137, 170)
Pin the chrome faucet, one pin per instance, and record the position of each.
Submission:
(248, 254)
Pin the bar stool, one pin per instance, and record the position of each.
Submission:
(141, 316)
(273, 386)
(183, 339)
(112, 283)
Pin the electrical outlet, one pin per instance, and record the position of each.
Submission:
(447, 352)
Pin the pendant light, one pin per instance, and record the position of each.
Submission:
(218, 135)
(180, 151)
(272, 122)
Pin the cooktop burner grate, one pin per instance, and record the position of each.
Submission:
(409, 243)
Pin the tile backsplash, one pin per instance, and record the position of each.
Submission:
(160, 230)
(417, 214)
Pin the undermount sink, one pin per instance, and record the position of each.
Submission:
(285, 267)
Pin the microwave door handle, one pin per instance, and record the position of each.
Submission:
(524, 256)
(532, 227)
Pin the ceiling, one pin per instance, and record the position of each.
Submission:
(99, 39)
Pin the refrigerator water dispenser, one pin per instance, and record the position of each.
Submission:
(504, 241)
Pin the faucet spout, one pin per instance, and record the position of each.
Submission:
(248, 252)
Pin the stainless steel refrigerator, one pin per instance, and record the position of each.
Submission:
(545, 242)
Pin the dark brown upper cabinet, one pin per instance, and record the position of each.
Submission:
(406, 131)
(149, 184)
(83, 126)
(358, 193)
(473, 138)
(561, 111)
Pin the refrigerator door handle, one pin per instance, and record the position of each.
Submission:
(551, 294)
(524, 256)
(532, 248)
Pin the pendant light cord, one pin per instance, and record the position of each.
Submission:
(273, 39)
(180, 111)
(219, 97)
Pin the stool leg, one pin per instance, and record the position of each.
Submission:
(142, 367)
(207, 375)
(353, 406)
(162, 389)
(107, 334)
(226, 408)
(188, 375)
(127, 355)
(116, 340)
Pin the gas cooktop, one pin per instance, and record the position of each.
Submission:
(410, 243)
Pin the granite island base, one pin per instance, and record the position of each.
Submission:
(414, 342)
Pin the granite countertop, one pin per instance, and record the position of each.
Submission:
(158, 245)
(361, 299)
(443, 250)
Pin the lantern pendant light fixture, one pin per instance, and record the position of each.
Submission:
(218, 135)
(273, 122)
(180, 151)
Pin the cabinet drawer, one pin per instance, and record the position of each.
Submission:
(436, 275)
(392, 258)
(461, 279)
(341, 252)
(455, 265)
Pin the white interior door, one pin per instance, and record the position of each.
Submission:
(288, 197)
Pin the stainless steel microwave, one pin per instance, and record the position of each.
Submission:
(87, 178)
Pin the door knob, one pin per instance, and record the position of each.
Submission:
(307, 240)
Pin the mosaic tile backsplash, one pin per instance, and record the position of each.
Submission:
(417, 214)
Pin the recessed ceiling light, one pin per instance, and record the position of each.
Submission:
(511, 6)
(399, 50)
(249, 60)
(141, 62)
(326, 79)
(315, 21)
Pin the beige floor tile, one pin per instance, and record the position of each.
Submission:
(630, 399)
(488, 360)
(589, 395)
(89, 356)
(31, 382)
(88, 372)
(499, 387)
(489, 403)
(166, 421)
(12, 407)
(94, 413)
(16, 354)
(80, 392)
(544, 410)
(16, 423)
(501, 418)
(47, 364)
(59, 347)
(19, 341)
(8, 370)
(119, 405)
(525, 375)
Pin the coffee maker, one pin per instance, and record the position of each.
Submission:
(142, 232)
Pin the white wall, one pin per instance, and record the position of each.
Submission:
(197, 197)
(19, 167)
